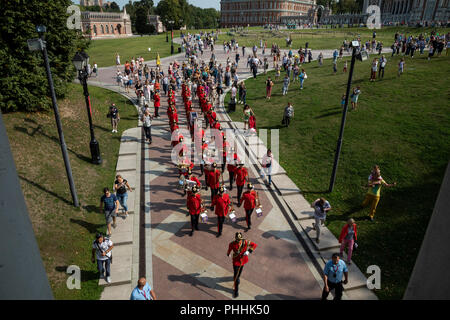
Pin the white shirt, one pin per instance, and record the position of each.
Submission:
(101, 247)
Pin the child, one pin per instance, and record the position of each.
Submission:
(277, 69)
(345, 66)
(343, 101)
(401, 66)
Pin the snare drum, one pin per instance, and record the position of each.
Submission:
(232, 216)
(259, 212)
(204, 216)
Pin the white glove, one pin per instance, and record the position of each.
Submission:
(246, 253)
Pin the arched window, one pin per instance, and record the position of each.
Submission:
(103, 29)
(95, 29)
(107, 29)
(112, 29)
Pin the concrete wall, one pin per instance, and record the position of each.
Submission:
(430, 278)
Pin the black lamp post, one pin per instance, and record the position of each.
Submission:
(40, 44)
(81, 61)
(362, 56)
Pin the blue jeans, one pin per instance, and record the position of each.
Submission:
(107, 264)
(123, 200)
(301, 82)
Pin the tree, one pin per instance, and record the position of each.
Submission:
(23, 85)
(171, 10)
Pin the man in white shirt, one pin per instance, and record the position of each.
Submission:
(101, 248)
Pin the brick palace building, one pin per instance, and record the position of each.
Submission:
(261, 12)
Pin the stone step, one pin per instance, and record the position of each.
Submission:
(285, 185)
(356, 279)
(120, 292)
(299, 206)
(128, 148)
(121, 266)
(126, 163)
(327, 239)
(133, 134)
(123, 233)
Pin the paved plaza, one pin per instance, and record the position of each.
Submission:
(154, 241)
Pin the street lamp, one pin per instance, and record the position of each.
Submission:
(39, 44)
(171, 22)
(362, 56)
(81, 61)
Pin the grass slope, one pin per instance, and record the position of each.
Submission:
(65, 233)
(320, 38)
(402, 124)
(103, 52)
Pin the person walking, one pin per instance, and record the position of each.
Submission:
(101, 249)
(382, 64)
(286, 82)
(269, 85)
(354, 96)
(302, 76)
(194, 204)
(250, 200)
(109, 205)
(320, 59)
(147, 125)
(120, 186)
(222, 205)
(401, 66)
(288, 114)
(333, 272)
(373, 192)
(113, 114)
(241, 175)
(347, 238)
(241, 249)
(248, 112)
(267, 165)
(321, 208)
(374, 69)
(142, 291)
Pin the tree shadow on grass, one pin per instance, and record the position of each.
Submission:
(92, 228)
(45, 190)
(39, 130)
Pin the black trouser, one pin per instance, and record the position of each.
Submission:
(231, 173)
(381, 72)
(287, 121)
(213, 193)
(206, 181)
(248, 217)
(220, 221)
(239, 193)
(194, 221)
(237, 270)
(337, 292)
(224, 161)
(148, 133)
(156, 111)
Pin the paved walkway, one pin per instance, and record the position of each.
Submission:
(286, 265)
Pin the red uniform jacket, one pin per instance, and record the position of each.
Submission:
(194, 204)
(249, 199)
(196, 181)
(157, 100)
(240, 174)
(222, 204)
(239, 248)
(214, 179)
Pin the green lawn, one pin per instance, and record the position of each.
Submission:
(402, 124)
(103, 52)
(65, 233)
(319, 38)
